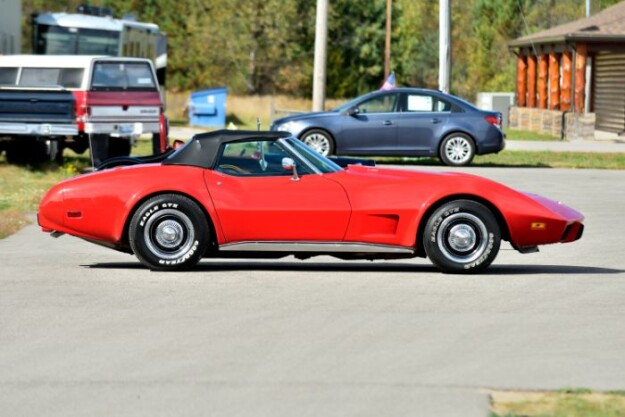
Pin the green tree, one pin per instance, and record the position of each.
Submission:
(356, 30)
(266, 46)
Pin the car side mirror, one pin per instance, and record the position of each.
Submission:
(289, 164)
(354, 111)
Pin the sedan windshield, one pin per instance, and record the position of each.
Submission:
(349, 104)
(320, 162)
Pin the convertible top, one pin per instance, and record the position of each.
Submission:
(201, 150)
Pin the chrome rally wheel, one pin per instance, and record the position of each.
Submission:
(169, 232)
(462, 236)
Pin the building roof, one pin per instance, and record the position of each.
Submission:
(605, 26)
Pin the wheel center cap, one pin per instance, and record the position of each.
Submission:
(462, 238)
(169, 234)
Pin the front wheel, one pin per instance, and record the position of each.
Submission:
(457, 149)
(462, 236)
(320, 141)
(169, 232)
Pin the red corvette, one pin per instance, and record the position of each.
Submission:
(266, 194)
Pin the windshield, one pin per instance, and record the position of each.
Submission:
(122, 76)
(320, 162)
(57, 40)
(348, 105)
(8, 76)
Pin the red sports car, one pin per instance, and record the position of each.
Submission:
(266, 194)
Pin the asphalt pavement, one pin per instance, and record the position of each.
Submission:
(86, 331)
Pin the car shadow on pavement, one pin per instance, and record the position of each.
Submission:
(551, 269)
(382, 267)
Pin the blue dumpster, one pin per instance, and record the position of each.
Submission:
(208, 108)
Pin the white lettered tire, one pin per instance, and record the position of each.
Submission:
(462, 236)
(169, 232)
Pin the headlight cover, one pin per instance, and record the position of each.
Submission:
(285, 127)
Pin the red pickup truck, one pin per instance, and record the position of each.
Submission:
(77, 102)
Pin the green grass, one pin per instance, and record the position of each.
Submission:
(528, 159)
(515, 134)
(563, 403)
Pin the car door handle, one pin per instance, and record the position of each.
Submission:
(436, 120)
(387, 123)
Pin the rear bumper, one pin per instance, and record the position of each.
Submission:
(493, 144)
(38, 129)
(123, 129)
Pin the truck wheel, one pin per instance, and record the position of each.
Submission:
(99, 145)
(156, 144)
(16, 152)
(119, 147)
(32, 151)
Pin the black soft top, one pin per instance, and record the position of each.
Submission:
(201, 150)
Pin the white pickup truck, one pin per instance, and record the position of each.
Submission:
(52, 102)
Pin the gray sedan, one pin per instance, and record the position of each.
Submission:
(401, 122)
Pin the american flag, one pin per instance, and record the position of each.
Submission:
(389, 84)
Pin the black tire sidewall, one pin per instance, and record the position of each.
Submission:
(151, 207)
(431, 244)
(444, 157)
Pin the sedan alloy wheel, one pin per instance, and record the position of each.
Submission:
(457, 150)
(319, 141)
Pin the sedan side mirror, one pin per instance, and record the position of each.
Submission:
(288, 164)
(354, 111)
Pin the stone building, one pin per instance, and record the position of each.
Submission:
(571, 78)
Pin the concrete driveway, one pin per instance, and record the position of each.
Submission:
(85, 331)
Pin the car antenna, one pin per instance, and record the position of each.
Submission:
(258, 124)
(91, 152)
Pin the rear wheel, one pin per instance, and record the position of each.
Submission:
(462, 236)
(320, 141)
(457, 149)
(169, 232)
(33, 151)
(119, 147)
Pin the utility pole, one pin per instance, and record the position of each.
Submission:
(444, 46)
(387, 45)
(588, 71)
(321, 44)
